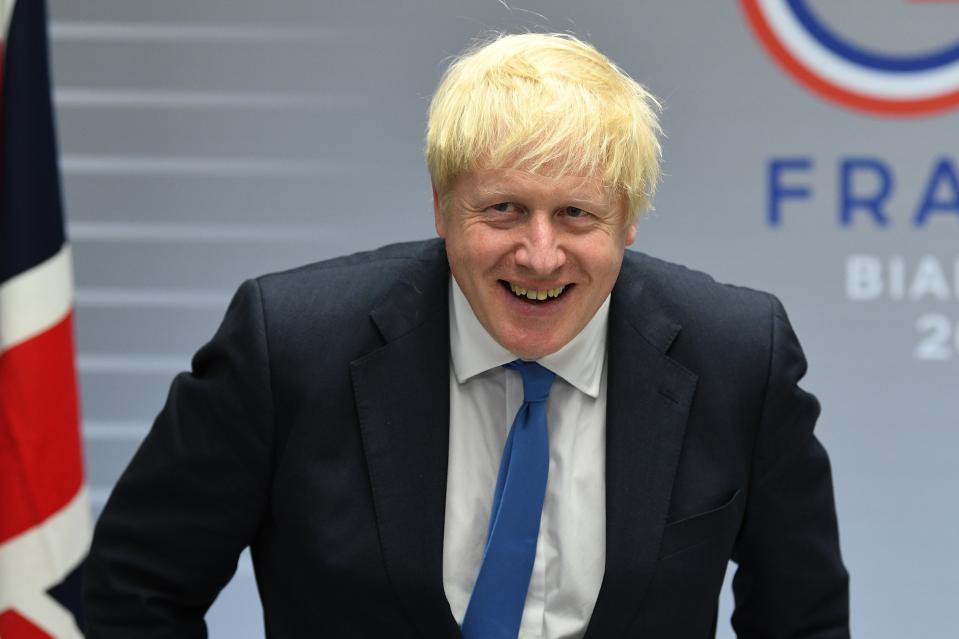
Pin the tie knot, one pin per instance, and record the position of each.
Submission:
(536, 380)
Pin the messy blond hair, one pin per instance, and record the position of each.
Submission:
(546, 103)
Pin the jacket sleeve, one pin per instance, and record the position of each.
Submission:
(790, 580)
(194, 494)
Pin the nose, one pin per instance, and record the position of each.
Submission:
(539, 250)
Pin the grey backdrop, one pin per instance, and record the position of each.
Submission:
(207, 141)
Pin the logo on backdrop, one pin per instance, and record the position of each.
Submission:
(837, 55)
(899, 58)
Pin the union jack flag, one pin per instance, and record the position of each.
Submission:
(44, 505)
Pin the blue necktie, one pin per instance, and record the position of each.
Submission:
(495, 609)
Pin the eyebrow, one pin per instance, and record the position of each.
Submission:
(505, 195)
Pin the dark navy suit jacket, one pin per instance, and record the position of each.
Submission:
(314, 428)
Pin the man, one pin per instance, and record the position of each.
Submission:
(518, 429)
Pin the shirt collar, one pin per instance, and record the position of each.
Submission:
(473, 350)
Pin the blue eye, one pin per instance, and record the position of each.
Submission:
(502, 207)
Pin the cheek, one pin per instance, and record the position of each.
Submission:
(470, 264)
(482, 250)
(600, 258)
(603, 269)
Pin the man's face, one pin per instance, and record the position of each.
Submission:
(512, 236)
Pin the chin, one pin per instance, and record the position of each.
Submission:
(528, 356)
(526, 350)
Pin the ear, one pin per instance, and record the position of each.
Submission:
(631, 234)
(438, 217)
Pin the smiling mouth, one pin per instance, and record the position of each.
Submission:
(535, 296)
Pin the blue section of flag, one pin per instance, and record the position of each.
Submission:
(31, 215)
(69, 593)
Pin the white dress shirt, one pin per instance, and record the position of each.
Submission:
(484, 399)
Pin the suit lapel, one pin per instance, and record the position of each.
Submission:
(648, 398)
(402, 399)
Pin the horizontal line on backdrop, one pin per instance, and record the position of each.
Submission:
(115, 430)
(133, 364)
(183, 99)
(228, 232)
(83, 30)
(152, 298)
(72, 164)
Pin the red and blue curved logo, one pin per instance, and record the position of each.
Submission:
(843, 71)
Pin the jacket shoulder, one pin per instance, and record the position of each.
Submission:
(382, 265)
(723, 331)
(327, 304)
(695, 298)
(352, 282)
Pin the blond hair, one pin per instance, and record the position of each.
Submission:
(546, 103)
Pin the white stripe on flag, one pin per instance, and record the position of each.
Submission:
(46, 613)
(35, 300)
(6, 10)
(40, 558)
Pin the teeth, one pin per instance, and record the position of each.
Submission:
(536, 294)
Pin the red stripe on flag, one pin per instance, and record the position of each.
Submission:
(13, 625)
(41, 465)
